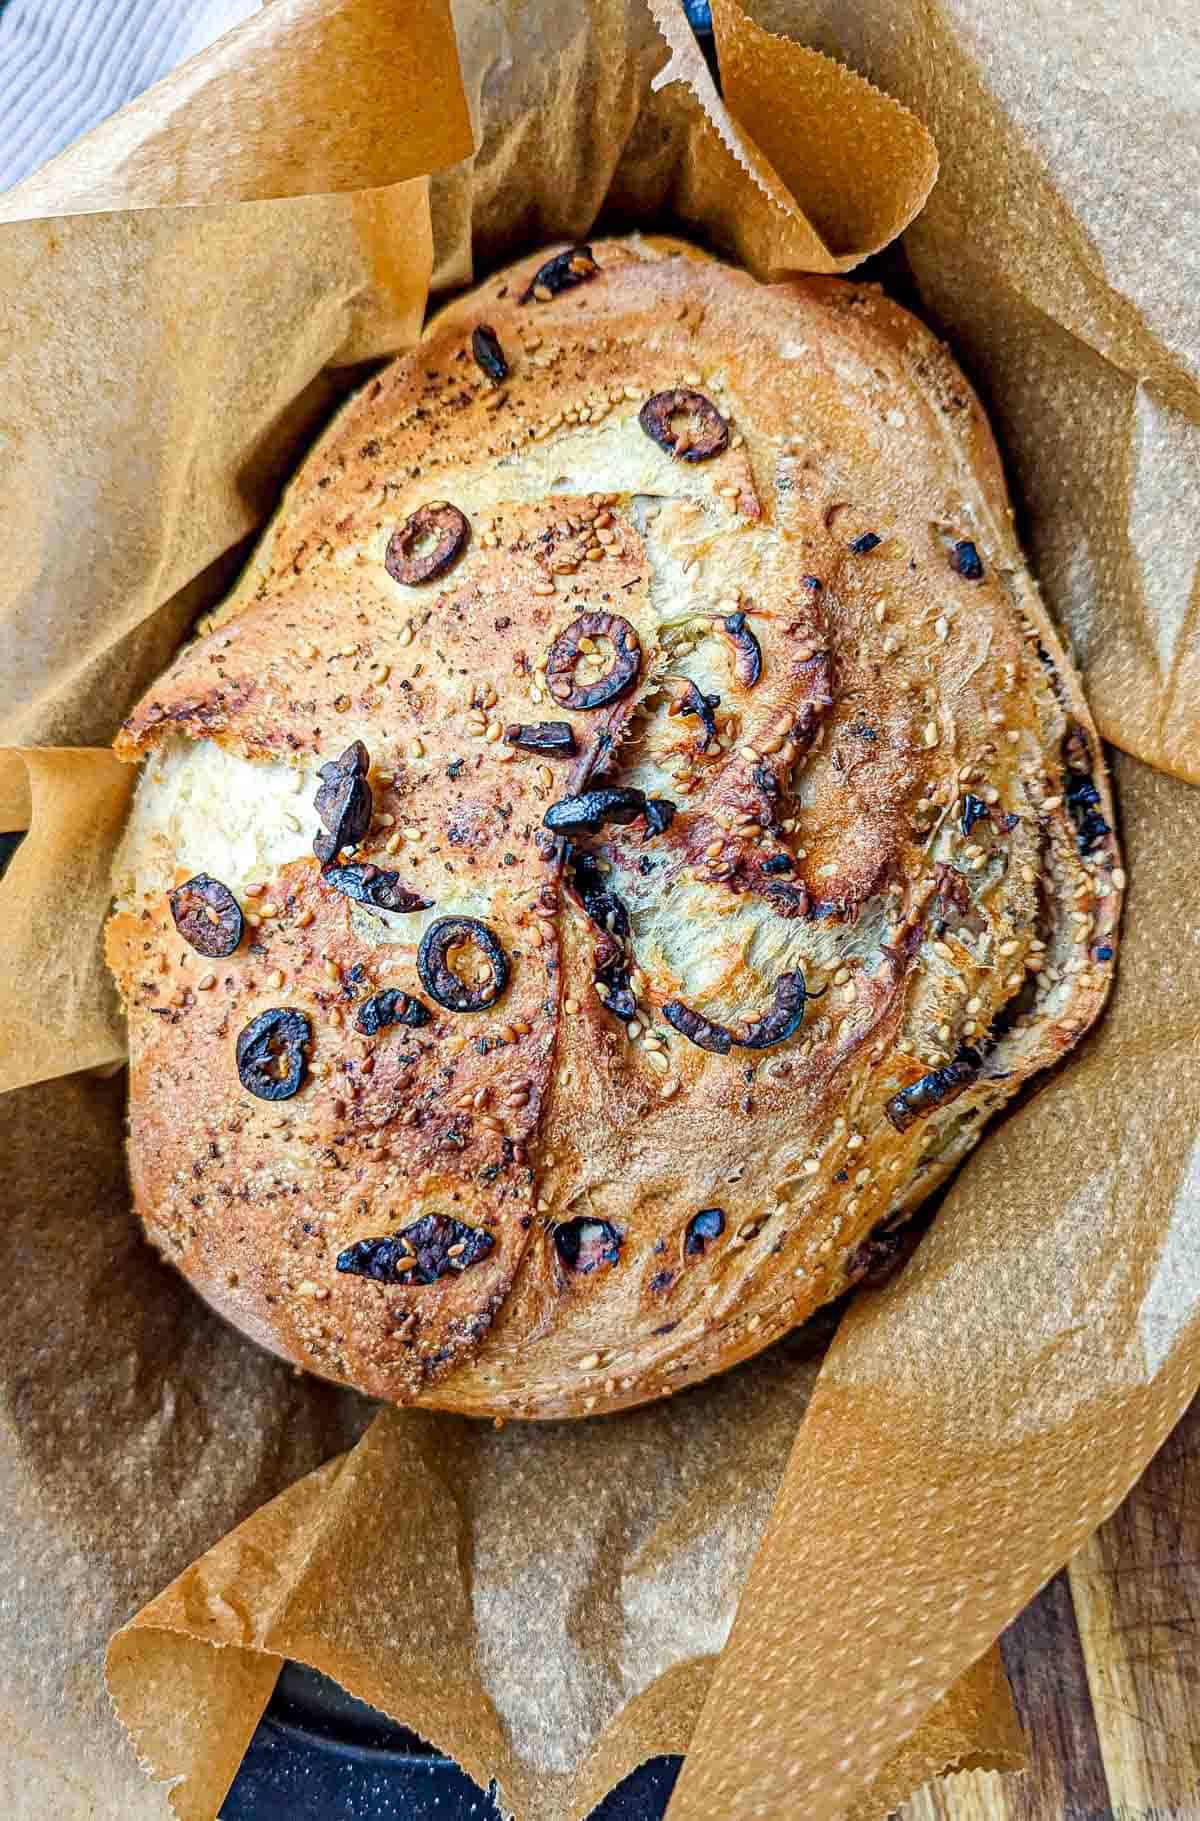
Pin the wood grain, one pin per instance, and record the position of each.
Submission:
(1105, 1670)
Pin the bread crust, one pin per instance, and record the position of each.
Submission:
(912, 759)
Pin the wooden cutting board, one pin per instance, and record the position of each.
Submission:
(1105, 1670)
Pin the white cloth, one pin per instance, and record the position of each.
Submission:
(67, 64)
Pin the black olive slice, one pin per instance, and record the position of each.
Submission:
(489, 355)
(271, 1056)
(747, 652)
(369, 885)
(207, 916)
(935, 1089)
(698, 1030)
(706, 434)
(974, 809)
(439, 978)
(692, 701)
(779, 863)
(564, 656)
(702, 1229)
(584, 1244)
(433, 1247)
(442, 522)
(588, 813)
(390, 1007)
(574, 266)
(343, 802)
(542, 736)
(783, 1017)
(966, 561)
(870, 540)
(660, 813)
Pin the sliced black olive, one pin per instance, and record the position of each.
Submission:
(702, 1229)
(271, 1058)
(418, 1254)
(706, 434)
(369, 885)
(784, 1016)
(564, 656)
(574, 266)
(588, 813)
(693, 701)
(584, 1244)
(442, 522)
(343, 802)
(542, 736)
(207, 915)
(779, 863)
(1081, 793)
(747, 652)
(698, 1030)
(602, 905)
(974, 809)
(870, 540)
(489, 355)
(390, 1007)
(438, 977)
(660, 813)
(935, 1089)
(966, 561)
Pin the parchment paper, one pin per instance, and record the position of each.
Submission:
(547, 1603)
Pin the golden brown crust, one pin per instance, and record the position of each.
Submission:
(826, 830)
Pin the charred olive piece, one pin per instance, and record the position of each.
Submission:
(935, 1089)
(489, 355)
(418, 1254)
(438, 977)
(542, 736)
(564, 656)
(707, 435)
(747, 652)
(974, 809)
(207, 915)
(698, 1030)
(966, 561)
(390, 1007)
(368, 885)
(442, 522)
(779, 863)
(602, 905)
(660, 813)
(693, 701)
(1081, 793)
(584, 1244)
(588, 813)
(784, 1016)
(270, 1053)
(702, 1229)
(870, 540)
(574, 266)
(343, 802)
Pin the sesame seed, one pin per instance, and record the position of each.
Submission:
(941, 627)
(416, 749)
(930, 734)
(1049, 803)
(589, 1362)
(1118, 878)
(752, 754)
(657, 1059)
(668, 1090)
(810, 1166)
(841, 977)
(203, 985)
(405, 635)
(275, 980)
(633, 1030)
(1008, 948)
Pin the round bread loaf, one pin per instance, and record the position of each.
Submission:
(631, 826)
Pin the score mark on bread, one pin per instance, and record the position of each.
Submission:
(630, 827)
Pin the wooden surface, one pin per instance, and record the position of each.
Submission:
(1105, 1669)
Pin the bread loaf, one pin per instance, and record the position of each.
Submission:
(629, 829)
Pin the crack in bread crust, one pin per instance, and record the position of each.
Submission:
(858, 681)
